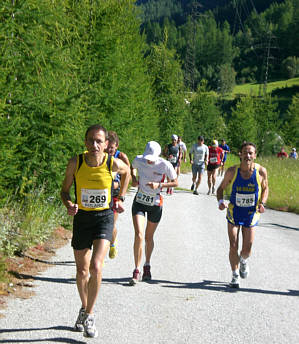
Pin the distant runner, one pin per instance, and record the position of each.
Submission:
(93, 217)
(183, 149)
(112, 149)
(215, 159)
(226, 150)
(293, 154)
(173, 154)
(282, 154)
(151, 170)
(199, 160)
(247, 185)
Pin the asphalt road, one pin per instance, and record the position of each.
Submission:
(188, 300)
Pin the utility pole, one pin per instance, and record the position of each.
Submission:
(265, 69)
(267, 62)
(190, 64)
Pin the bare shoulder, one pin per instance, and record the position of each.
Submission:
(230, 172)
(119, 165)
(263, 172)
(123, 156)
(72, 163)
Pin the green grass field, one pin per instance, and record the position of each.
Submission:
(254, 88)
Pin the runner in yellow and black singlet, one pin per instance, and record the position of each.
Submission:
(93, 217)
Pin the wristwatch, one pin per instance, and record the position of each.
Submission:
(122, 198)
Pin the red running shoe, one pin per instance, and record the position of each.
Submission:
(136, 277)
(146, 273)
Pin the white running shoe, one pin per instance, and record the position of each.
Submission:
(79, 322)
(235, 281)
(90, 327)
(244, 269)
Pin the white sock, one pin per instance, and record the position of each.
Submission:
(243, 260)
(235, 273)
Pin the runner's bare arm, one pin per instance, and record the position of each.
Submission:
(123, 169)
(265, 189)
(169, 184)
(134, 176)
(72, 208)
(165, 152)
(190, 157)
(122, 156)
(228, 176)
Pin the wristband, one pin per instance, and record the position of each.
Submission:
(220, 202)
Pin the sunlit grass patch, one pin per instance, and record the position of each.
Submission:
(254, 89)
(283, 176)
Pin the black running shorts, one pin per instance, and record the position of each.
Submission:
(91, 225)
(211, 167)
(154, 212)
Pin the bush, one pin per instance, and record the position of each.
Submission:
(290, 67)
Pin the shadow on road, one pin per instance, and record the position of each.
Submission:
(222, 286)
(205, 285)
(44, 279)
(274, 225)
(47, 340)
(121, 281)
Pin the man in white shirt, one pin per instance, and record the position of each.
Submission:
(200, 154)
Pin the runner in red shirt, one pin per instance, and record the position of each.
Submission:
(282, 154)
(215, 160)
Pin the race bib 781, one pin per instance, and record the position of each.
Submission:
(145, 199)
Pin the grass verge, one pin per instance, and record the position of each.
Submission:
(25, 226)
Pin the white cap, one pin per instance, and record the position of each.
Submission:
(174, 137)
(152, 151)
(294, 149)
(215, 143)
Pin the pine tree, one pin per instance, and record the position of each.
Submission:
(168, 88)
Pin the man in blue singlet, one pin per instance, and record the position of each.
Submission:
(226, 150)
(247, 185)
(112, 149)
